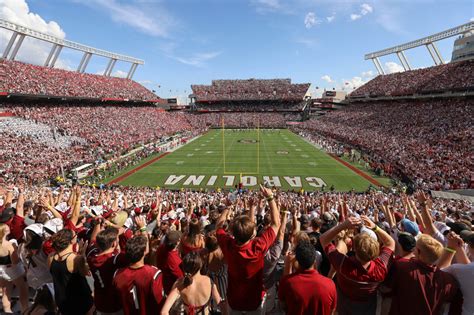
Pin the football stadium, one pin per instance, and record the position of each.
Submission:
(145, 171)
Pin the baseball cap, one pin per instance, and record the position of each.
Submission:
(457, 227)
(467, 236)
(410, 227)
(328, 217)
(442, 227)
(53, 226)
(398, 216)
(120, 218)
(304, 219)
(36, 228)
(7, 215)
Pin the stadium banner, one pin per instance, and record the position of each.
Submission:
(246, 180)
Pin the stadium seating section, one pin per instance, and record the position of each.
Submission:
(22, 78)
(250, 90)
(454, 77)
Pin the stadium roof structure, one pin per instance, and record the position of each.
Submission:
(429, 42)
(20, 32)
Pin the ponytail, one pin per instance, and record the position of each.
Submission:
(191, 265)
(188, 279)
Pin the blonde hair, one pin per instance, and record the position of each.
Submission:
(3, 228)
(366, 248)
(300, 236)
(430, 249)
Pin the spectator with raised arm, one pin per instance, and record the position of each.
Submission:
(419, 286)
(244, 253)
(359, 276)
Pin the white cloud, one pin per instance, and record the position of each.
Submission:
(308, 42)
(145, 82)
(152, 22)
(31, 51)
(472, 19)
(327, 78)
(270, 4)
(119, 74)
(198, 59)
(364, 10)
(310, 20)
(330, 18)
(353, 83)
(392, 67)
(355, 17)
(368, 74)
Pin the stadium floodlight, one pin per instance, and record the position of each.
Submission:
(20, 32)
(429, 42)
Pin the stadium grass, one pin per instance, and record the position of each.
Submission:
(278, 152)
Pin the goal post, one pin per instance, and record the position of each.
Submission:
(240, 172)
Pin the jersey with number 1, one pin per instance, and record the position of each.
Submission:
(140, 290)
(103, 268)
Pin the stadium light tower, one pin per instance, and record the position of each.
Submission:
(20, 32)
(429, 42)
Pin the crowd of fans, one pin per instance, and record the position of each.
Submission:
(22, 78)
(250, 90)
(456, 76)
(146, 251)
(251, 106)
(42, 139)
(242, 119)
(429, 142)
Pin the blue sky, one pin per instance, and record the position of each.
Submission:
(186, 42)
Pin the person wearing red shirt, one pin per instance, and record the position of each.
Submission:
(168, 260)
(104, 260)
(306, 292)
(14, 218)
(419, 286)
(139, 286)
(358, 277)
(244, 254)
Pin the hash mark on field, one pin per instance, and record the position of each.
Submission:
(313, 163)
(189, 154)
(179, 162)
(293, 145)
(298, 149)
(203, 145)
(209, 152)
(197, 149)
(305, 155)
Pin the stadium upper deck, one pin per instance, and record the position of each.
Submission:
(250, 90)
(451, 77)
(27, 79)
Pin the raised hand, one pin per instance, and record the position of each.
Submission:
(454, 241)
(266, 192)
(367, 222)
(140, 222)
(352, 223)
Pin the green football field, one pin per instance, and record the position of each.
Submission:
(223, 158)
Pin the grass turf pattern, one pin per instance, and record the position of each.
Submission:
(217, 158)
